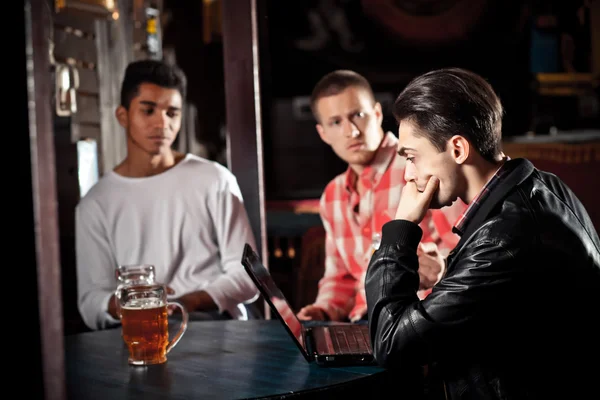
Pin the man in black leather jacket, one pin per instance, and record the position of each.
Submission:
(517, 313)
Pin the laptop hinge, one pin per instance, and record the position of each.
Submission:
(309, 344)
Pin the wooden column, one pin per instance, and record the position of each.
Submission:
(243, 109)
(38, 26)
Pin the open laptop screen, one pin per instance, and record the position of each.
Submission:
(272, 293)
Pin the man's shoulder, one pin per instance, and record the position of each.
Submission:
(195, 162)
(95, 203)
(511, 222)
(207, 168)
(102, 189)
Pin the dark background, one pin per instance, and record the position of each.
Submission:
(389, 42)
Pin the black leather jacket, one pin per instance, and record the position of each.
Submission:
(517, 313)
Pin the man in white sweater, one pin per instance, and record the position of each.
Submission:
(181, 213)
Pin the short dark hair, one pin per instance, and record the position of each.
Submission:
(150, 71)
(453, 101)
(336, 82)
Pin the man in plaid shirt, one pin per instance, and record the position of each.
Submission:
(356, 204)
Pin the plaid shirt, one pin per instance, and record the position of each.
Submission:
(352, 224)
(474, 205)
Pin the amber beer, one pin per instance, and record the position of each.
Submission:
(145, 324)
(145, 330)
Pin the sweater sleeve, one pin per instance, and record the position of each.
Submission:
(95, 267)
(233, 231)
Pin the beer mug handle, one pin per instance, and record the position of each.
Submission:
(182, 327)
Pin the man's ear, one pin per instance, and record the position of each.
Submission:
(122, 117)
(459, 148)
(378, 113)
(322, 133)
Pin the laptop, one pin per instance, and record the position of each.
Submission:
(326, 343)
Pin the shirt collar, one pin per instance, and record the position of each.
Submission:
(474, 205)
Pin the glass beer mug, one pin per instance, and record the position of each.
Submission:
(135, 274)
(144, 323)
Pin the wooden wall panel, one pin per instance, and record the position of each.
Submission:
(71, 46)
(88, 80)
(88, 109)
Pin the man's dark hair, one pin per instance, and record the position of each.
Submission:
(336, 82)
(150, 71)
(453, 101)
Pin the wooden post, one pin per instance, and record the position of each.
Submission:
(243, 110)
(38, 25)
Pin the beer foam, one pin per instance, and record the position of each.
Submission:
(143, 304)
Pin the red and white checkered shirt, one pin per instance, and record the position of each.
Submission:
(351, 221)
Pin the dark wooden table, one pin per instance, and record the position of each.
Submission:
(213, 360)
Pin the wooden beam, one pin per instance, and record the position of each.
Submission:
(243, 112)
(243, 109)
(38, 27)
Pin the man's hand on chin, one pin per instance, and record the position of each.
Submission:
(414, 204)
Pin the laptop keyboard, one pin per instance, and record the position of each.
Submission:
(349, 339)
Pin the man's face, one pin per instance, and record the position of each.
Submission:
(350, 122)
(424, 160)
(153, 119)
